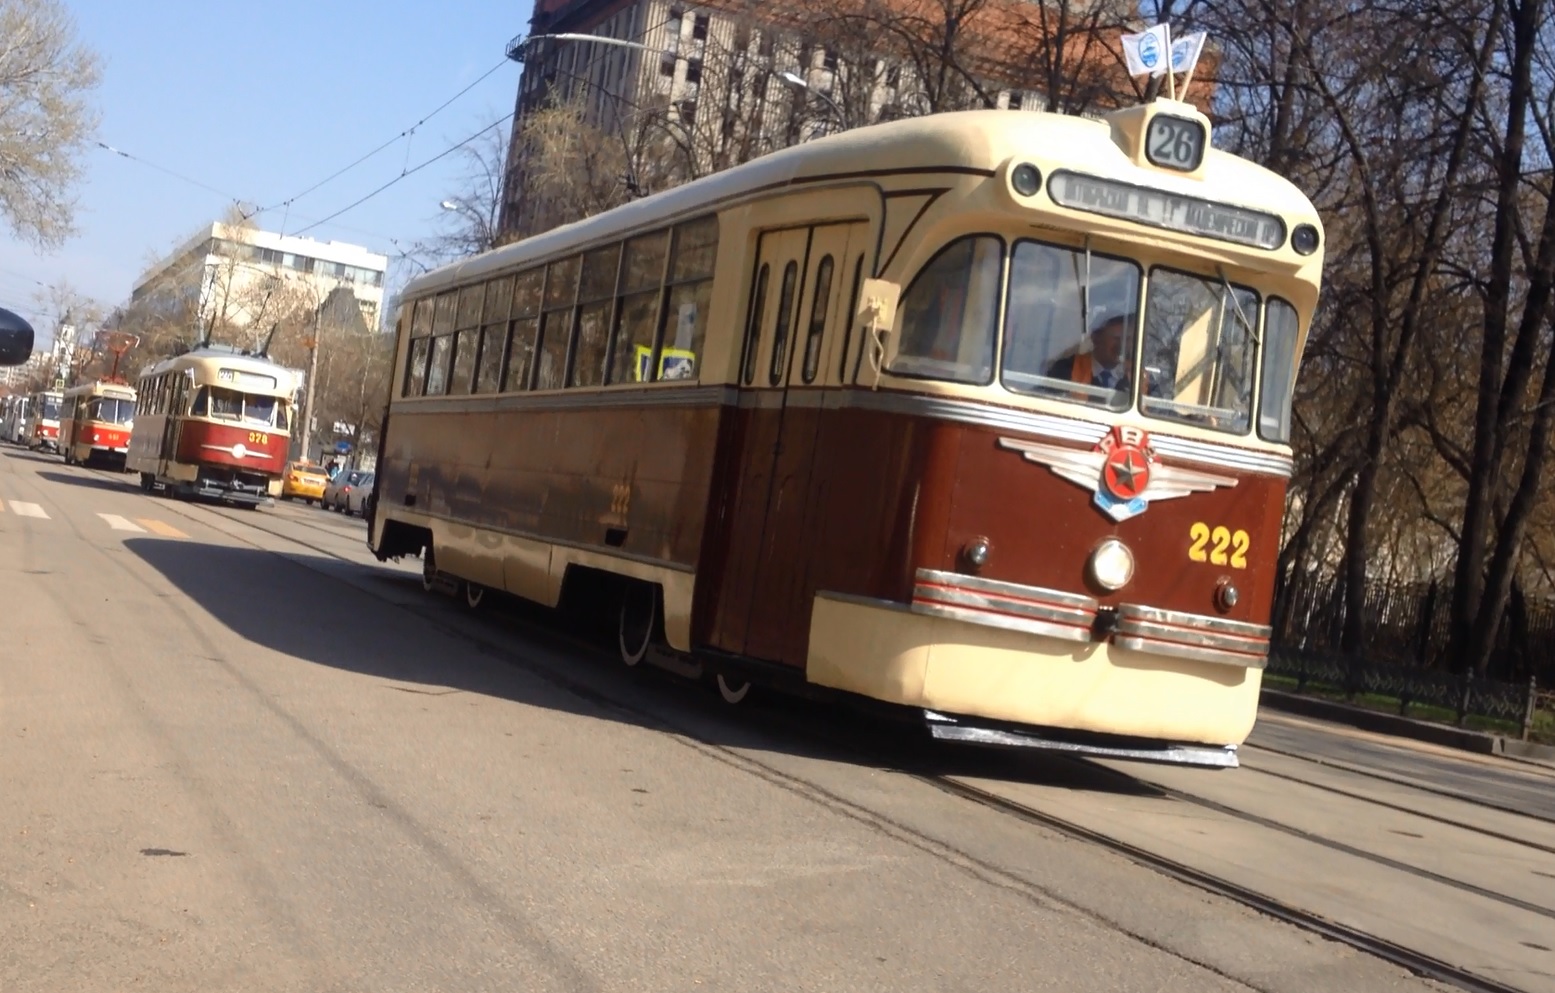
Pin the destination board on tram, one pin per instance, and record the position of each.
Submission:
(238, 377)
(1174, 211)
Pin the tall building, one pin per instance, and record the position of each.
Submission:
(719, 80)
(236, 277)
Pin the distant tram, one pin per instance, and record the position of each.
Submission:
(94, 424)
(13, 418)
(41, 427)
(983, 415)
(214, 422)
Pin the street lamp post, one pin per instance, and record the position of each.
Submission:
(798, 84)
(313, 375)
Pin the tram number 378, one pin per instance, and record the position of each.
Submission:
(258, 438)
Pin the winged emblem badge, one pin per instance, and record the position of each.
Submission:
(1122, 469)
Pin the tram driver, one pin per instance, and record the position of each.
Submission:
(1108, 364)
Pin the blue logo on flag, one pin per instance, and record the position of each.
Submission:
(1149, 51)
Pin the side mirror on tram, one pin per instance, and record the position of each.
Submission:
(15, 339)
(876, 314)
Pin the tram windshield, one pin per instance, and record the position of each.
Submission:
(111, 409)
(223, 404)
(49, 411)
(1080, 326)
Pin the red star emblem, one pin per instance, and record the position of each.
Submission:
(1126, 473)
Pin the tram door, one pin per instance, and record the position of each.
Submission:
(175, 410)
(794, 347)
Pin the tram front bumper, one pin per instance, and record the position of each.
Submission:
(991, 679)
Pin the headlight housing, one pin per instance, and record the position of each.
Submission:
(1112, 565)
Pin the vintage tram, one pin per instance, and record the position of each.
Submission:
(40, 430)
(94, 423)
(214, 422)
(982, 415)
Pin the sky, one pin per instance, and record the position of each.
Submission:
(260, 102)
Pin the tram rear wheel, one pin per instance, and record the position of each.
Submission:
(639, 617)
(428, 569)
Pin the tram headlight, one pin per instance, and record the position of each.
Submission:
(1304, 239)
(1112, 565)
(1026, 179)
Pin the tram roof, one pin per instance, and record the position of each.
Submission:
(981, 139)
(101, 386)
(209, 357)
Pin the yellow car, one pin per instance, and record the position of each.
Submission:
(303, 481)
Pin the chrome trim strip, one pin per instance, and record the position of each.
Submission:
(1227, 456)
(1053, 426)
(1207, 756)
(1201, 639)
(1002, 588)
(1138, 612)
(1063, 632)
(658, 396)
(1002, 605)
(1150, 646)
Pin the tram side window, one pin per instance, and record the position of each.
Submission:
(753, 322)
(420, 349)
(523, 329)
(852, 315)
(596, 307)
(1281, 333)
(442, 344)
(466, 337)
(692, 260)
(948, 314)
(1071, 325)
(1198, 351)
(818, 307)
(637, 319)
(561, 287)
(494, 331)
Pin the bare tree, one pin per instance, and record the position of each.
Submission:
(45, 120)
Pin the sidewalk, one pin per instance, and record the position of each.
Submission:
(1446, 735)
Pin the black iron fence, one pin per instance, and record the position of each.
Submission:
(1406, 650)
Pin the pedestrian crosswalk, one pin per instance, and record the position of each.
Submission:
(114, 522)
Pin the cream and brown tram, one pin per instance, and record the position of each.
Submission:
(95, 420)
(215, 423)
(983, 415)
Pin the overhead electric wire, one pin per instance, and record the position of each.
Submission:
(176, 175)
(410, 172)
(405, 133)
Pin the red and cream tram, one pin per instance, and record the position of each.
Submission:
(214, 422)
(984, 415)
(94, 423)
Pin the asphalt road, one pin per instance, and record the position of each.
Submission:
(237, 754)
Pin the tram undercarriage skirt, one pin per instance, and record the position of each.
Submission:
(947, 728)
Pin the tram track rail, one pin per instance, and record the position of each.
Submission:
(862, 747)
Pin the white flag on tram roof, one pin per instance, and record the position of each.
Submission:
(1185, 52)
(1148, 53)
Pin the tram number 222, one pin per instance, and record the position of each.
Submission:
(1211, 545)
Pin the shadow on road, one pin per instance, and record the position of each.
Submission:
(93, 482)
(517, 651)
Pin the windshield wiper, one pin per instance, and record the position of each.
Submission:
(1226, 292)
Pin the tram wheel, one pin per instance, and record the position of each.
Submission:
(639, 616)
(428, 569)
(733, 691)
(474, 593)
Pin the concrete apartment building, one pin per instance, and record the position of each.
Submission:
(229, 274)
(711, 77)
